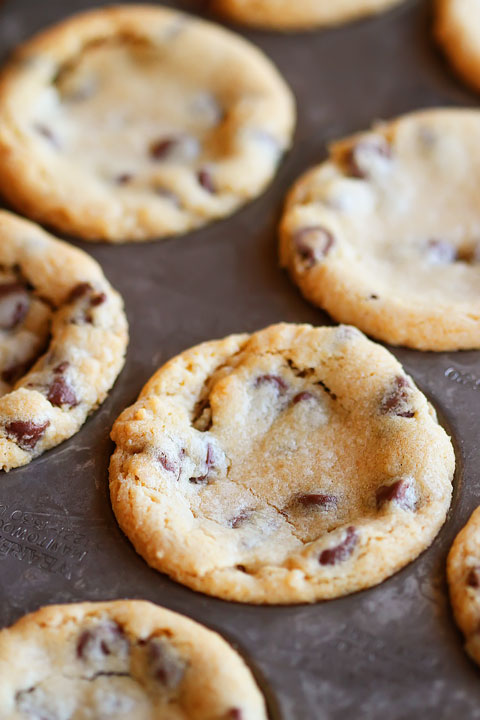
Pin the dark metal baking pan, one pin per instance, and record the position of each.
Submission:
(389, 652)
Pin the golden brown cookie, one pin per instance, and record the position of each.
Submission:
(295, 464)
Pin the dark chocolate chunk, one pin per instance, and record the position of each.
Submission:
(340, 552)
(14, 304)
(161, 149)
(26, 433)
(209, 462)
(79, 291)
(397, 400)
(400, 492)
(166, 463)
(310, 500)
(98, 299)
(61, 393)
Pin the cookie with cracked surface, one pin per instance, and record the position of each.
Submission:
(298, 15)
(292, 465)
(386, 233)
(125, 660)
(111, 129)
(457, 29)
(463, 575)
(63, 337)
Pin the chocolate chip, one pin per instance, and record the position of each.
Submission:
(240, 519)
(206, 181)
(303, 397)
(275, 380)
(359, 157)
(166, 463)
(440, 252)
(234, 714)
(26, 433)
(98, 299)
(107, 638)
(124, 178)
(400, 492)
(14, 304)
(340, 552)
(473, 577)
(312, 244)
(396, 401)
(161, 149)
(61, 393)
(209, 462)
(165, 663)
(79, 291)
(59, 369)
(309, 500)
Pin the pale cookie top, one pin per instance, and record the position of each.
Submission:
(297, 14)
(123, 660)
(63, 337)
(457, 28)
(295, 464)
(137, 122)
(463, 574)
(386, 233)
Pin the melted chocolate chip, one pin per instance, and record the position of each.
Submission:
(302, 397)
(400, 492)
(206, 181)
(473, 577)
(79, 291)
(340, 552)
(106, 638)
(396, 401)
(26, 433)
(14, 304)
(165, 663)
(275, 380)
(310, 500)
(61, 393)
(358, 157)
(440, 252)
(209, 462)
(313, 244)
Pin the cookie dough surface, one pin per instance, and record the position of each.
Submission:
(300, 14)
(463, 575)
(295, 464)
(63, 337)
(125, 660)
(457, 28)
(386, 233)
(138, 122)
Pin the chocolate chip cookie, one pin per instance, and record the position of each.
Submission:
(386, 233)
(301, 14)
(125, 660)
(457, 28)
(63, 337)
(463, 574)
(124, 124)
(291, 465)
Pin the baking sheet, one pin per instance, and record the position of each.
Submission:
(392, 651)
